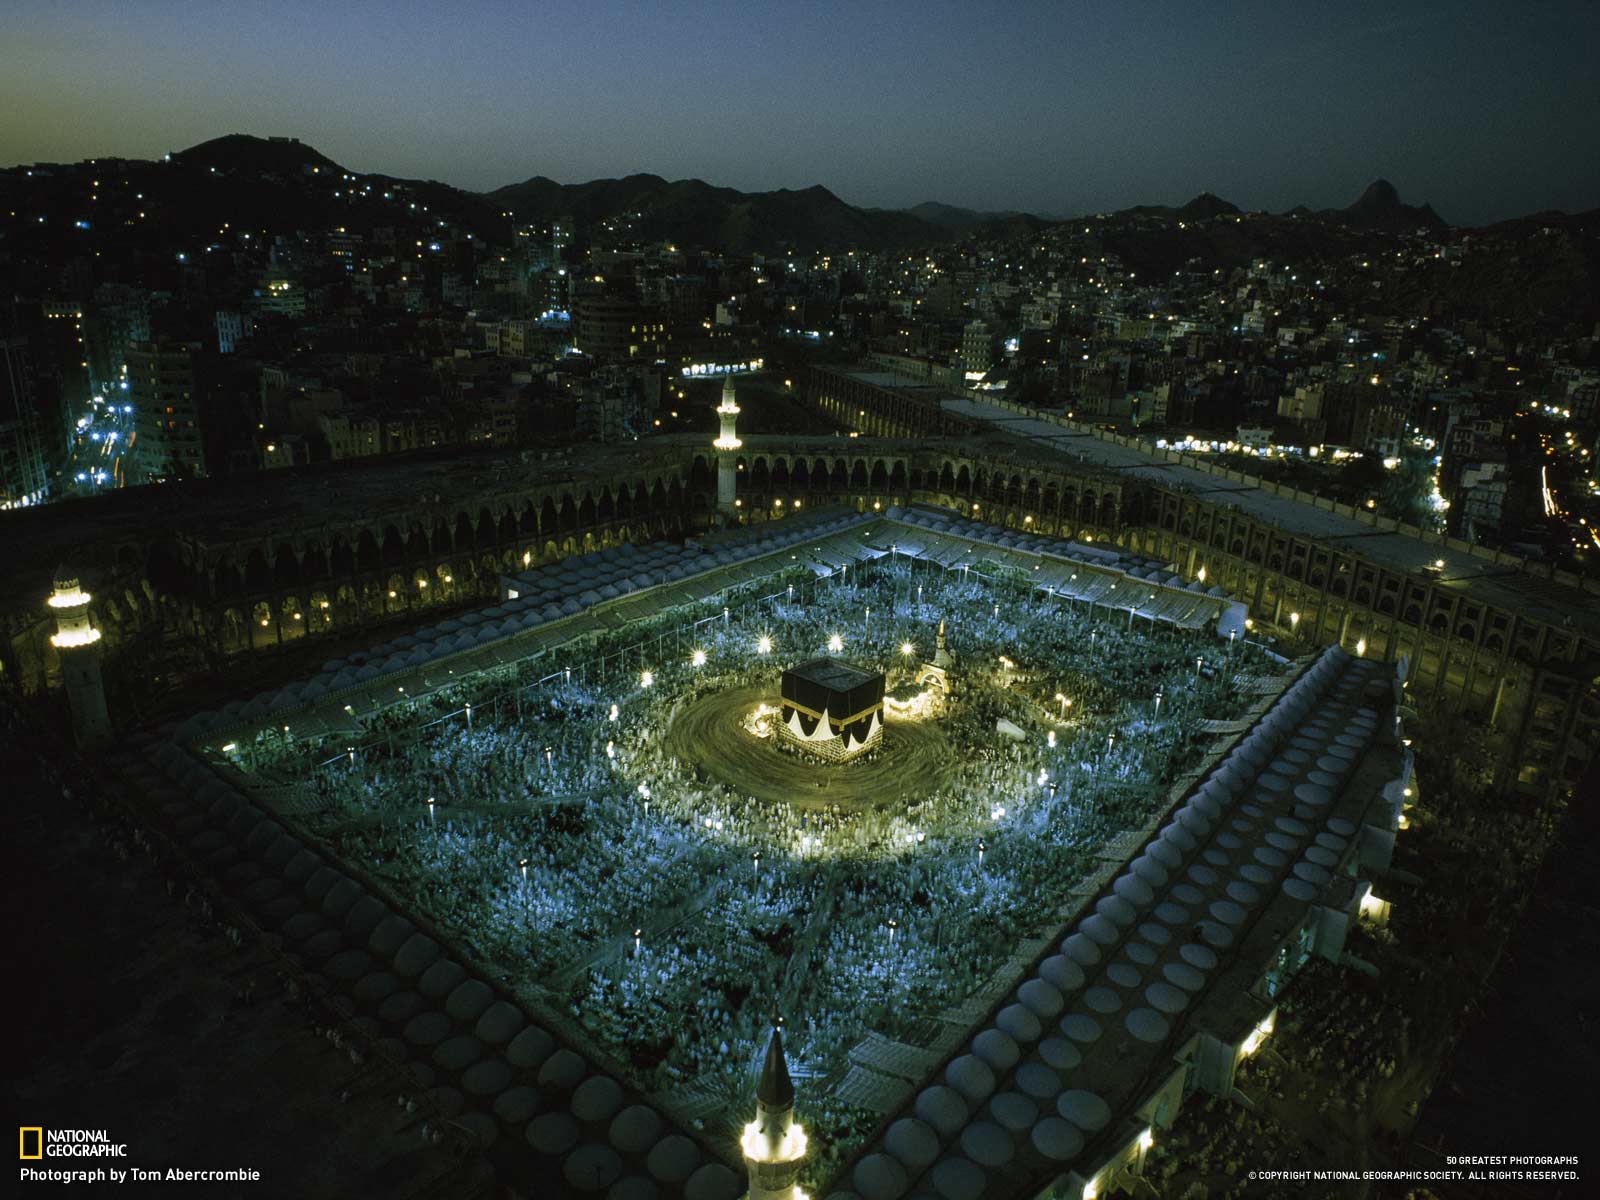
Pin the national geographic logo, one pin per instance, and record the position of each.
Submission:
(39, 1143)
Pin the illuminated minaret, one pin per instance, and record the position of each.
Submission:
(774, 1144)
(727, 443)
(77, 642)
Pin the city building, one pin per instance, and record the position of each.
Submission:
(163, 391)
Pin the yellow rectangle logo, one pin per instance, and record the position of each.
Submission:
(38, 1141)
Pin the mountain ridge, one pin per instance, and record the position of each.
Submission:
(705, 215)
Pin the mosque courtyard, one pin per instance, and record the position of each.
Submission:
(618, 836)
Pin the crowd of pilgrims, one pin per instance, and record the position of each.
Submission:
(568, 844)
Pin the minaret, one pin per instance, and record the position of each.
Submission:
(726, 443)
(774, 1144)
(77, 642)
(941, 655)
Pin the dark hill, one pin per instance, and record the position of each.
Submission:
(1379, 207)
(244, 152)
(700, 215)
(949, 216)
(1206, 205)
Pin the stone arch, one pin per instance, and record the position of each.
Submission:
(285, 566)
(313, 561)
(257, 575)
(394, 547)
(226, 580)
(700, 474)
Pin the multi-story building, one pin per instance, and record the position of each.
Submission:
(24, 474)
(975, 350)
(166, 420)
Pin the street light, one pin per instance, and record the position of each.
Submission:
(907, 649)
(835, 643)
(1294, 621)
(764, 645)
(699, 658)
(646, 678)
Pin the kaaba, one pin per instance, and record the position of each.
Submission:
(831, 708)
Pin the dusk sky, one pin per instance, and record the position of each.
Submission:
(1486, 110)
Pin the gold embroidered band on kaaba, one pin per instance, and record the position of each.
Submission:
(817, 716)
